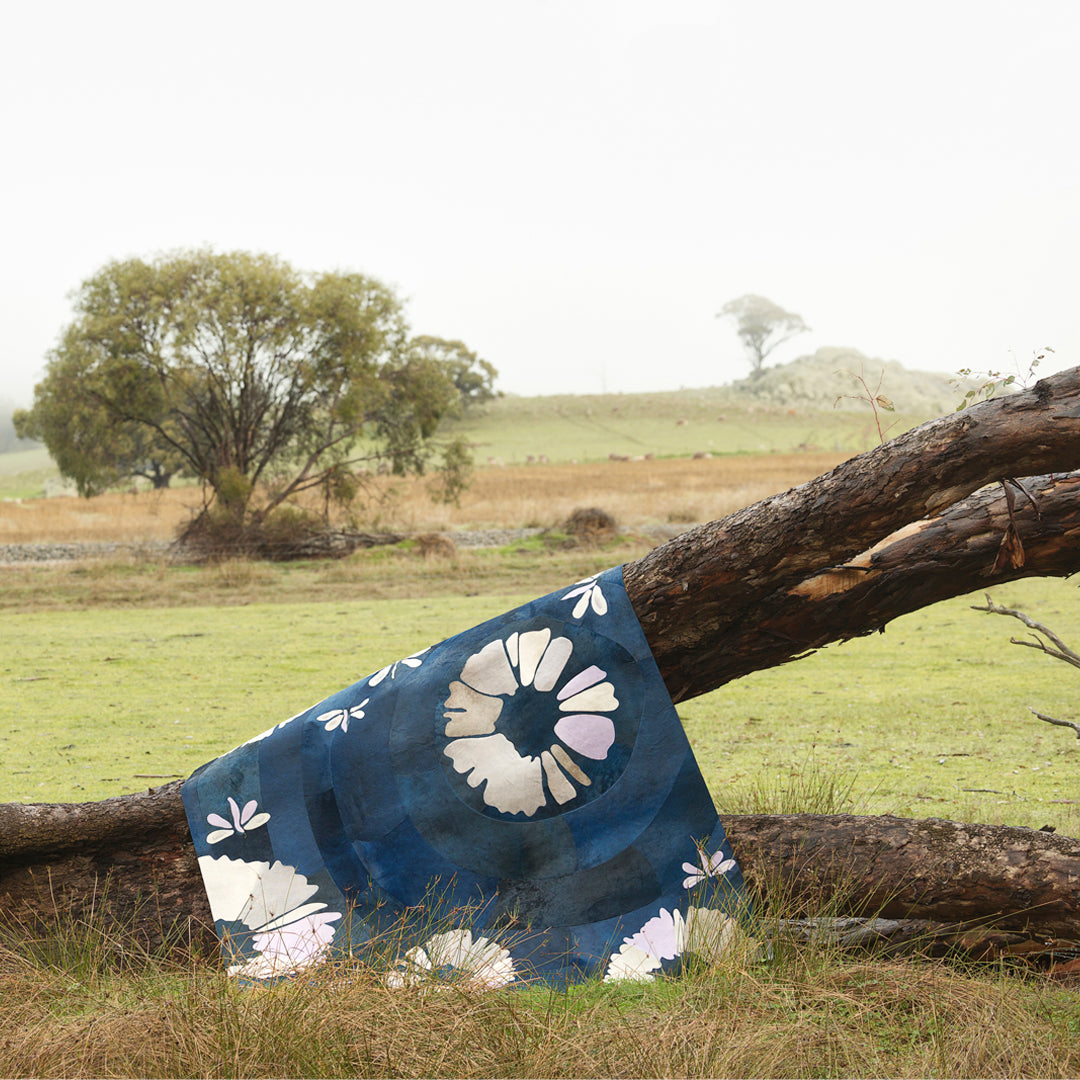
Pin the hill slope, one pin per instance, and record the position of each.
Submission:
(827, 380)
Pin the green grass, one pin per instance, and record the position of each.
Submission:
(566, 427)
(671, 424)
(100, 689)
(24, 473)
(105, 701)
(109, 672)
(109, 698)
(22, 461)
(919, 716)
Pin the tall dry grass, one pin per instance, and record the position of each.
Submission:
(804, 1013)
(669, 491)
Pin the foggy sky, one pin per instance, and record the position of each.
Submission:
(573, 189)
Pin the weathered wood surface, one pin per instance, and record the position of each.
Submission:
(940, 871)
(955, 553)
(886, 533)
(699, 595)
(131, 856)
(945, 871)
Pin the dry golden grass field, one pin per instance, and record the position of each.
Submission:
(668, 491)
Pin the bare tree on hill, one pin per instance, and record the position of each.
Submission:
(987, 495)
(761, 326)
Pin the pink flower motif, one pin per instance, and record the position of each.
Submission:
(658, 937)
(290, 948)
(703, 931)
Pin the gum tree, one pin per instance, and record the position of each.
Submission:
(261, 381)
(761, 326)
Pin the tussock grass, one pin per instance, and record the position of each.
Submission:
(807, 1012)
(810, 788)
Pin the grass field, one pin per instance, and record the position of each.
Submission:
(172, 664)
(119, 674)
(590, 428)
(930, 719)
(567, 429)
(807, 1013)
(671, 491)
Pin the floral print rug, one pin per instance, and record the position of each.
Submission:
(519, 802)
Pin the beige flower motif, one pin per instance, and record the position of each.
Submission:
(532, 662)
(706, 932)
(291, 931)
(590, 594)
(412, 661)
(457, 958)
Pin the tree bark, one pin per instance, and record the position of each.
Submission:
(885, 533)
(944, 871)
(130, 857)
(702, 592)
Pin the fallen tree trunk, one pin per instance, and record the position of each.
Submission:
(888, 532)
(702, 593)
(133, 855)
(944, 871)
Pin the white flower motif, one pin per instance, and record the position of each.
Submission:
(714, 865)
(277, 727)
(455, 958)
(631, 963)
(242, 821)
(589, 592)
(514, 783)
(412, 661)
(706, 932)
(289, 948)
(269, 899)
(340, 717)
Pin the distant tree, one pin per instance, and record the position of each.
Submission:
(474, 378)
(10, 439)
(260, 381)
(761, 326)
(89, 444)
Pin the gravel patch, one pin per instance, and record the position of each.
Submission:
(12, 554)
(17, 554)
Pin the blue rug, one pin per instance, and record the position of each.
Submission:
(519, 802)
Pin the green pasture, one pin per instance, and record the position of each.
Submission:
(671, 424)
(929, 719)
(23, 473)
(566, 428)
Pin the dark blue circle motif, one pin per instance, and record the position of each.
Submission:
(540, 720)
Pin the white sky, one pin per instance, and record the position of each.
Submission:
(572, 188)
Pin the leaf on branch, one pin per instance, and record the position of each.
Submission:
(1010, 554)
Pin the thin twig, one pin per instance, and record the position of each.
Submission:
(1030, 498)
(1061, 651)
(1053, 720)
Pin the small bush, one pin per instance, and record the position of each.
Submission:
(436, 546)
(590, 526)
